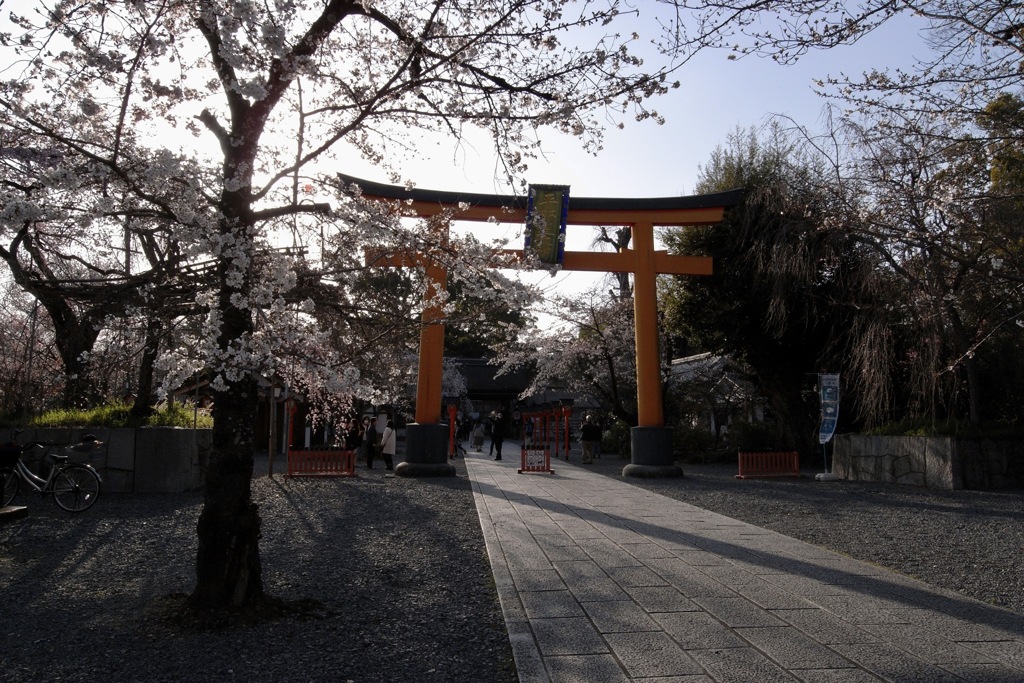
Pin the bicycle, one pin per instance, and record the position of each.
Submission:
(75, 487)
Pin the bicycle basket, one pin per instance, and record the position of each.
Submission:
(9, 454)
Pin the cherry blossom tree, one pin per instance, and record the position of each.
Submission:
(226, 120)
(975, 48)
(29, 367)
(591, 353)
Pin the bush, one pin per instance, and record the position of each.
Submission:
(112, 415)
(179, 415)
(118, 414)
(751, 436)
(615, 438)
(693, 444)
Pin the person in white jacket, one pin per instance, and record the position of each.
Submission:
(388, 442)
(478, 436)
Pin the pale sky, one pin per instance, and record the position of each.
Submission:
(646, 160)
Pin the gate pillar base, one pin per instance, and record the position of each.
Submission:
(426, 452)
(652, 453)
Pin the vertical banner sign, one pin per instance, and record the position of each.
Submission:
(546, 210)
(828, 386)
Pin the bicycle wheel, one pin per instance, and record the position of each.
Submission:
(11, 482)
(76, 488)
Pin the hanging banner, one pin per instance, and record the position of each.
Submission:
(828, 387)
(546, 211)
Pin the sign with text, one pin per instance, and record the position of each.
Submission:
(546, 211)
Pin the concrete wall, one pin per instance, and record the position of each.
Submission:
(145, 460)
(934, 462)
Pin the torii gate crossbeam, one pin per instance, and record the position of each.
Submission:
(651, 440)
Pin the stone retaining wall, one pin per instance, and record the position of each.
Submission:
(934, 462)
(145, 460)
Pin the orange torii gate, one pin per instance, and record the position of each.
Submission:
(651, 440)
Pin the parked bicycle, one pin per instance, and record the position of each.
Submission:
(75, 486)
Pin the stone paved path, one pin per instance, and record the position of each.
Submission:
(600, 580)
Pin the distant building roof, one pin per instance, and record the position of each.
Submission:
(701, 364)
(482, 380)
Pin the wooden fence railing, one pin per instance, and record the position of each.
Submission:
(768, 464)
(321, 463)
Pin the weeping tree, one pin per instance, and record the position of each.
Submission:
(939, 207)
(228, 119)
(792, 281)
(896, 264)
(921, 154)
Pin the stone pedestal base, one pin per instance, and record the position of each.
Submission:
(426, 452)
(652, 453)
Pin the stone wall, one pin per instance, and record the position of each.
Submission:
(934, 462)
(145, 460)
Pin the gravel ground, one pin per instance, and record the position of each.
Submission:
(399, 573)
(971, 542)
(398, 566)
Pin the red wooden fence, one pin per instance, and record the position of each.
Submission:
(321, 463)
(769, 464)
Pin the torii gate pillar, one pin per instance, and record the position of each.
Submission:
(651, 440)
(426, 439)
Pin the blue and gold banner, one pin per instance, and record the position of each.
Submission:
(828, 387)
(546, 212)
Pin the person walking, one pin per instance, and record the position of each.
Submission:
(478, 436)
(489, 431)
(388, 441)
(353, 436)
(498, 434)
(361, 451)
(590, 439)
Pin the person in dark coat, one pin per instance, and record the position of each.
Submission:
(370, 442)
(590, 439)
(498, 434)
(353, 436)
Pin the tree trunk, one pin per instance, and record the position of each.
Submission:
(795, 426)
(228, 569)
(74, 334)
(962, 353)
(142, 406)
(75, 340)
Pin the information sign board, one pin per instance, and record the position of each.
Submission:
(536, 460)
